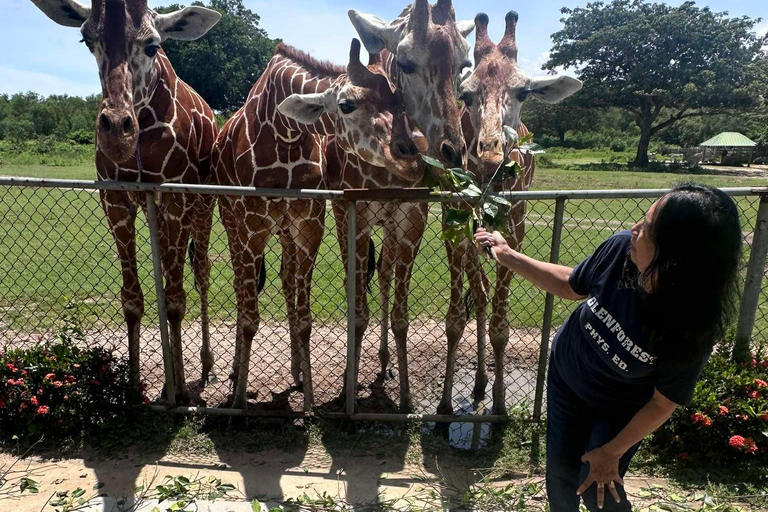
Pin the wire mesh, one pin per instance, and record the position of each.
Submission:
(56, 251)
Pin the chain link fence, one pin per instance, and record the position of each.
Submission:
(58, 256)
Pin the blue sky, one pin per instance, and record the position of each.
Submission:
(43, 57)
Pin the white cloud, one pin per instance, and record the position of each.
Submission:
(14, 80)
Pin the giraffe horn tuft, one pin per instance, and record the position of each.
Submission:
(483, 43)
(508, 43)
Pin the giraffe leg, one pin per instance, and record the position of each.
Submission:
(250, 262)
(121, 218)
(386, 266)
(201, 266)
(174, 237)
(232, 226)
(499, 334)
(455, 322)
(288, 269)
(412, 226)
(479, 290)
(308, 237)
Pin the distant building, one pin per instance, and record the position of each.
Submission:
(728, 148)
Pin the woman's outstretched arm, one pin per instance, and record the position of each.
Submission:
(549, 277)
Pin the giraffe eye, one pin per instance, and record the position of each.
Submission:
(523, 94)
(151, 50)
(406, 67)
(346, 107)
(87, 43)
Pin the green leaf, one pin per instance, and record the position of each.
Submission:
(179, 505)
(226, 487)
(81, 501)
(472, 191)
(155, 509)
(430, 179)
(511, 135)
(256, 506)
(677, 498)
(433, 162)
(499, 200)
(526, 138)
(454, 217)
(644, 493)
(78, 492)
(184, 480)
(98, 486)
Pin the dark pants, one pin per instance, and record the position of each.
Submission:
(574, 428)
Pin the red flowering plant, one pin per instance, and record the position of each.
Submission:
(61, 389)
(727, 422)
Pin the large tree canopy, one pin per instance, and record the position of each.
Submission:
(659, 62)
(224, 64)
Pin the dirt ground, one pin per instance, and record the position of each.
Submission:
(271, 476)
(270, 376)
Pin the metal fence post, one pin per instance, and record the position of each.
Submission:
(154, 240)
(753, 283)
(546, 328)
(351, 383)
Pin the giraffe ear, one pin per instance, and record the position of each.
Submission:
(307, 108)
(554, 89)
(69, 13)
(465, 27)
(187, 24)
(377, 34)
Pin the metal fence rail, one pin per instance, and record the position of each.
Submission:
(56, 251)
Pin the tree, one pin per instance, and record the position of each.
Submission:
(661, 63)
(557, 119)
(224, 64)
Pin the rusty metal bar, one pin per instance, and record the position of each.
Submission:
(753, 283)
(546, 328)
(154, 240)
(351, 384)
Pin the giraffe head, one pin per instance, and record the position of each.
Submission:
(430, 49)
(369, 120)
(495, 91)
(124, 36)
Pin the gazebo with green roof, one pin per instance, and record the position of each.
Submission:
(730, 144)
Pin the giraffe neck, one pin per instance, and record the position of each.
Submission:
(284, 77)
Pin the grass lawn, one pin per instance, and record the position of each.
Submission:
(55, 246)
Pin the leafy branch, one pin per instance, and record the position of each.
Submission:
(479, 207)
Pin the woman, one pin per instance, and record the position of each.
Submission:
(659, 296)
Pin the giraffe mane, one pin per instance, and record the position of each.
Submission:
(318, 67)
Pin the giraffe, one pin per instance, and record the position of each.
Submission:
(429, 51)
(403, 223)
(493, 95)
(278, 139)
(426, 51)
(152, 128)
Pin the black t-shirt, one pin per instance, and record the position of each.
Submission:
(601, 352)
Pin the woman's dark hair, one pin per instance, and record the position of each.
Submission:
(697, 234)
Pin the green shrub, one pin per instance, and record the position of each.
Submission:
(81, 136)
(727, 423)
(618, 145)
(61, 390)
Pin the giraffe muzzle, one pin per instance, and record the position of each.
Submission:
(117, 134)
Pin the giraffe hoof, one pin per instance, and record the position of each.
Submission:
(444, 409)
(406, 408)
(478, 393)
(183, 397)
